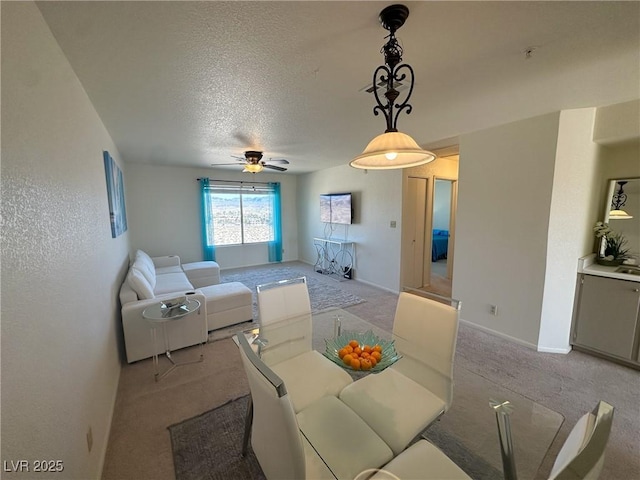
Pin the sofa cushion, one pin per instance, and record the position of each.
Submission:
(143, 268)
(146, 259)
(202, 274)
(169, 269)
(139, 284)
(172, 282)
(226, 296)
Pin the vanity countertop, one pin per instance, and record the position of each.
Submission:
(588, 266)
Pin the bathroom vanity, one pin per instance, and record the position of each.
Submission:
(606, 314)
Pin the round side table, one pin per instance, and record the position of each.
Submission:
(159, 316)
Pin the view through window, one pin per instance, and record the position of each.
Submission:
(240, 214)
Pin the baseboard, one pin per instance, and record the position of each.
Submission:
(390, 290)
(563, 351)
(499, 334)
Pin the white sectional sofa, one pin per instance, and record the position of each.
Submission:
(151, 280)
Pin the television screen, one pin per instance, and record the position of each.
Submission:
(325, 208)
(336, 208)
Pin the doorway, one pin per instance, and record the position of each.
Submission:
(428, 226)
(442, 229)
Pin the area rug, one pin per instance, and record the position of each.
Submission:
(209, 447)
(323, 294)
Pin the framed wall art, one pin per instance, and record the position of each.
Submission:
(115, 192)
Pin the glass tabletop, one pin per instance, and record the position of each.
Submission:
(163, 312)
(467, 433)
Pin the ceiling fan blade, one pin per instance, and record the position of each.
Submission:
(216, 164)
(278, 160)
(273, 167)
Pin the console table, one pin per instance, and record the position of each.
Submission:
(336, 257)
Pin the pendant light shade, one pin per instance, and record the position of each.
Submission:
(392, 150)
(619, 215)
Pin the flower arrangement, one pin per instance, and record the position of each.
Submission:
(615, 245)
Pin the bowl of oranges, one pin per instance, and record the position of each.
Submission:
(361, 351)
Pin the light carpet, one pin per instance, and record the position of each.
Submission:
(324, 293)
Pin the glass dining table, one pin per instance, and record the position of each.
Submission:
(467, 433)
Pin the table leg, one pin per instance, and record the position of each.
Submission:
(156, 368)
(167, 353)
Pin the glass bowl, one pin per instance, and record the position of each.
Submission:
(389, 354)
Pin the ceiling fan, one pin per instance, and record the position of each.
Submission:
(253, 162)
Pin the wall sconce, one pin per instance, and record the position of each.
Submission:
(392, 149)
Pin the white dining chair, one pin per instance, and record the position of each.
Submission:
(309, 374)
(418, 388)
(582, 454)
(289, 352)
(303, 445)
(423, 461)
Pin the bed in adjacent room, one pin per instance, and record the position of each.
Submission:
(439, 244)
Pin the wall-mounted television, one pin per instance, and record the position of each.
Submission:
(336, 208)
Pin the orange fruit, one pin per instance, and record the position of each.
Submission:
(342, 352)
(365, 364)
(366, 348)
(357, 350)
(365, 354)
(347, 359)
(373, 361)
(354, 343)
(355, 364)
(377, 355)
(348, 348)
(377, 348)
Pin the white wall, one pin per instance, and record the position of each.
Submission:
(165, 218)
(377, 200)
(574, 207)
(61, 268)
(504, 199)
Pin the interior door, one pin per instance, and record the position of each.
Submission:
(414, 232)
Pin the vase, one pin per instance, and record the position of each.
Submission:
(608, 263)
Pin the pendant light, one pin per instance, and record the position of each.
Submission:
(392, 149)
(618, 201)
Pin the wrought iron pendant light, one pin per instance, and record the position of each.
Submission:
(392, 149)
(617, 202)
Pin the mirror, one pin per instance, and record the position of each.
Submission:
(622, 212)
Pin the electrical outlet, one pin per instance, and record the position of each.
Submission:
(89, 439)
(494, 310)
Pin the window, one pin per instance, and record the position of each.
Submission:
(239, 213)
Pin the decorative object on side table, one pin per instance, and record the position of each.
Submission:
(612, 250)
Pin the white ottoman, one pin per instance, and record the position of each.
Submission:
(202, 274)
(227, 304)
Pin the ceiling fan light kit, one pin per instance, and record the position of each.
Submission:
(253, 168)
(392, 149)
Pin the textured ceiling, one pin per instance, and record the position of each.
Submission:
(193, 83)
